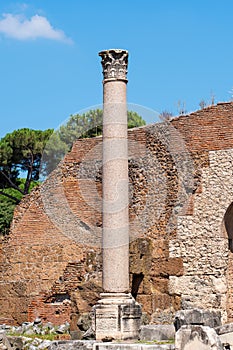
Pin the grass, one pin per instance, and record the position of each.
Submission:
(53, 336)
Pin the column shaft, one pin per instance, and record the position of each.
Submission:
(115, 189)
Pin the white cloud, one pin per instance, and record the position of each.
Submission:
(18, 27)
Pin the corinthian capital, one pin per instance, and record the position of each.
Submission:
(114, 63)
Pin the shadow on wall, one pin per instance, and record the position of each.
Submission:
(228, 222)
(137, 280)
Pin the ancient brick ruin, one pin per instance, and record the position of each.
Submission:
(181, 194)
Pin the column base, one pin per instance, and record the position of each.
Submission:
(117, 316)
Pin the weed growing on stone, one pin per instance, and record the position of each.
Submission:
(52, 336)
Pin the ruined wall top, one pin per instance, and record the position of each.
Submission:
(114, 63)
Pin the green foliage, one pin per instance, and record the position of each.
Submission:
(90, 125)
(78, 126)
(135, 120)
(7, 206)
(47, 336)
(54, 152)
(20, 153)
(81, 126)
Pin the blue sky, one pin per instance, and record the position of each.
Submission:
(180, 50)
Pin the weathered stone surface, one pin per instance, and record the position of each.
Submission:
(16, 342)
(25, 343)
(114, 64)
(4, 342)
(157, 332)
(29, 335)
(226, 328)
(197, 338)
(63, 328)
(225, 333)
(120, 346)
(227, 340)
(197, 317)
(84, 322)
(117, 316)
(72, 345)
(76, 335)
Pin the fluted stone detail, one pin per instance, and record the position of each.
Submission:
(115, 64)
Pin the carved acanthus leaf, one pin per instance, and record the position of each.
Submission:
(114, 63)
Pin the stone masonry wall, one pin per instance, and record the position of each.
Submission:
(202, 243)
(180, 188)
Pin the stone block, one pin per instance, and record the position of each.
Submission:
(193, 337)
(226, 328)
(161, 301)
(75, 335)
(117, 316)
(15, 343)
(157, 332)
(227, 340)
(71, 345)
(225, 333)
(145, 300)
(4, 342)
(162, 316)
(161, 284)
(197, 317)
(166, 267)
(125, 346)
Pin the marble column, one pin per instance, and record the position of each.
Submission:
(115, 173)
(117, 315)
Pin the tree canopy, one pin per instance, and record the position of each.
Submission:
(90, 125)
(20, 156)
(78, 126)
(7, 205)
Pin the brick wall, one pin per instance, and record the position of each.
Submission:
(179, 192)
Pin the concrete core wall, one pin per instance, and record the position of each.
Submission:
(181, 187)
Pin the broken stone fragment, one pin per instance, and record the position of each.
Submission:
(157, 332)
(63, 328)
(225, 334)
(194, 337)
(197, 317)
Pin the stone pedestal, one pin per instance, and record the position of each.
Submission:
(117, 316)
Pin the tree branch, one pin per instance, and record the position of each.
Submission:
(10, 196)
(29, 174)
(11, 183)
